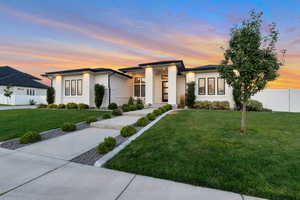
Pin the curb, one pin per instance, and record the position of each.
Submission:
(115, 151)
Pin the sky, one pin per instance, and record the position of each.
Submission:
(39, 36)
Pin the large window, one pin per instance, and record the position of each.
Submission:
(221, 86)
(73, 87)
(67, 88)
(201, 86)
(79, 87)
(139, 87)
(211, 86)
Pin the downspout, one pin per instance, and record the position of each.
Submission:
(109, 89)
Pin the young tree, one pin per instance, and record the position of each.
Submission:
(99, 94)
(190, 96)
(50, 95)
(250, 60)
(8, 92)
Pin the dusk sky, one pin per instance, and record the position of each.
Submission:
(39, 36)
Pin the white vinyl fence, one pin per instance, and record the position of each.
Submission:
(284, 100)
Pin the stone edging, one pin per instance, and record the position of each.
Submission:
(115, 151)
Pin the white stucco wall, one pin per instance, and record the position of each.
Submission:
(102, 79)
(180, 87)
(120, 89)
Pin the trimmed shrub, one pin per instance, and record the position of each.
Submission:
(61, 106)
(132, 107)
(99, 94)
(91, 119)
(139, 101)
(52, 106)
(190, 96)
(130, 101)
(125, 108)
(162, 110)
(68, 127)
(112, 106)
(151, 116)
(107, 145)
(127, 131)
(224, 105)
(267, 110)
(142, 121)
(83, 106)
(157, 112)
(50, 95)
(139, 106)
(106, 116)
(32, 102)
(203, 105)
(41, 106)
(117, 112)
(72, 106)
(214, 105)
(254, 105)
(168, 106)
(30, 137)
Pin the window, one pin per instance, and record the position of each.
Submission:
(221, 86)
(211, 86)
(79, 87)
(201, 86)
(73, 87)
(33, 92)
(27, 91)
(67, 88)
(139, 87)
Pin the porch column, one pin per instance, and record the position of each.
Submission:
(149, 82)
(58, 89)
(172, 84)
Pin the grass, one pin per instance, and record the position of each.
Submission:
(14, 123)
(205, 148)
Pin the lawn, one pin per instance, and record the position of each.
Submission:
(205, 148)
(14, 123)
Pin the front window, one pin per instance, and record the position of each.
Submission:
(73, 87)
(67, 88)
(221, 86)
(211, 86)
(79, 87)
(139, 87)
(201, 86)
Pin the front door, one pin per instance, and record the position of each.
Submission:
(164, 91)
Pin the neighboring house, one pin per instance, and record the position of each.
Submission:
(155, 83)
(24, 87)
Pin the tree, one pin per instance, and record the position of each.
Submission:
(250, 60)
(99, 94)
(190, 97)
(50, 95)
(8, 92)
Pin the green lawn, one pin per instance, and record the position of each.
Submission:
(14, 123)
(205, 148)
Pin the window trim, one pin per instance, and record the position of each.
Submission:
(77, 93)
(213, 78)
(204, 86)
(66, 88)
(139, 84)
(218, 86)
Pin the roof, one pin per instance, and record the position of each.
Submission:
(203, 68)
(87, 69)
(13, 77)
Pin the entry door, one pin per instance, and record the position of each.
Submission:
(164, 91)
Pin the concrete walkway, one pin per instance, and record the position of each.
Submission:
(16, 107)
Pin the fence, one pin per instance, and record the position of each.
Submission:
(285, 100)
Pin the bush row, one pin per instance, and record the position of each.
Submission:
(212, 105)
(80, 106)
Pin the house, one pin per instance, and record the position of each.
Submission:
(24, 87)
(155, 83)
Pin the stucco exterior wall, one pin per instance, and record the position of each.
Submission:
(120, 89)
(102, 79)
(180, 87)
(76, 99)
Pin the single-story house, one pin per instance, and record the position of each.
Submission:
(24, 87)
(155, 83)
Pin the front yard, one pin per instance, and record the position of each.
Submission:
(14, 123)
(205, 148)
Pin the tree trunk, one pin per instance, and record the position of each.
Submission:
(243, 118)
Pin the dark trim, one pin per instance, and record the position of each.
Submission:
(203, 68)
(131, 69)
(162, 62)
(218, 86)
(214, 85)
(204, 86)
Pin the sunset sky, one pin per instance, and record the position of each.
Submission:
(39, 36)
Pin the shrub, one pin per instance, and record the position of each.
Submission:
(156, 112)
(52, 106)
(50, 95)
(106, 116)
(99, 94)
(83, 106)
(214, 105)
(162, 109)
(107, 145)
(203, 105)
(182, 101)
(126, 108)
(68, 127)
(72, 106)
(117, 112)
(32, 102)
(112, 106)
(91, 119)
(30, 137)
(254, 105)
(190, 97)
(127, 131)
(130, 101)
(169, 107)
(142, 121)
(151, 116)
(224, 105)
(132, 107)
(139, 101)
(266, 110)
(61, 106)
(41, 106)
(139, 106)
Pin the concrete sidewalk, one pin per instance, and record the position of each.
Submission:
(16, 107)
